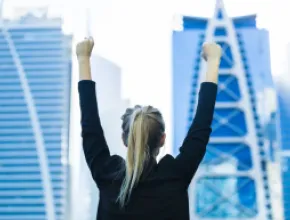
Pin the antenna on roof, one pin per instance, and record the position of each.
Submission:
(88, 22)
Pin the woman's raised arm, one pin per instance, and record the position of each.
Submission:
(193, 148)
(95, 147)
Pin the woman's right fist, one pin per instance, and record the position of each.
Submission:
(85, 47)
(211, 51)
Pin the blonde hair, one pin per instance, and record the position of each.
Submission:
(142, 129)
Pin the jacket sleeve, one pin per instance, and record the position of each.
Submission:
(95, 147)
(193, 148)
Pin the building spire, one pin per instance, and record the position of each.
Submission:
(1, 9)
(220, 11)
(88, 21)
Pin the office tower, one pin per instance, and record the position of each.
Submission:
(84, 192)
(283, 128)
(232, 182)
(35, 60)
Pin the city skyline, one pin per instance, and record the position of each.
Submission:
(142, 48)
(144, 67)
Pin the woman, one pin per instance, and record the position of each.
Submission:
(140, 188)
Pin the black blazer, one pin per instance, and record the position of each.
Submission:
(162, 195)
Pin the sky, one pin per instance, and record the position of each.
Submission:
(136, 35)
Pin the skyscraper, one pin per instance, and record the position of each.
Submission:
(283, 127)
(232, 181)
(35, 60)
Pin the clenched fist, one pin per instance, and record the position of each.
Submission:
(211, 51)
(84, 48)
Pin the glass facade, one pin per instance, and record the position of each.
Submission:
(44, 53)
(232, 181)
(283, 126)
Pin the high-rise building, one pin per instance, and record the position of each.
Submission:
(84, 192)
(232, 181)
(35, 60)
(283, 127)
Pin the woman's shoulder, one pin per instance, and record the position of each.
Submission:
(116, 164)
(167, 161)
(167, 167)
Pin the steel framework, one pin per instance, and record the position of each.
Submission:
(232, 182)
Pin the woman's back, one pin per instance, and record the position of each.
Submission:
(139, 187)
(161, 193)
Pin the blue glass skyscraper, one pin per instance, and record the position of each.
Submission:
(232, 182)
(283, 128)
(35, 60)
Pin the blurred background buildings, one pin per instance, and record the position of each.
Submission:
(43, 174)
